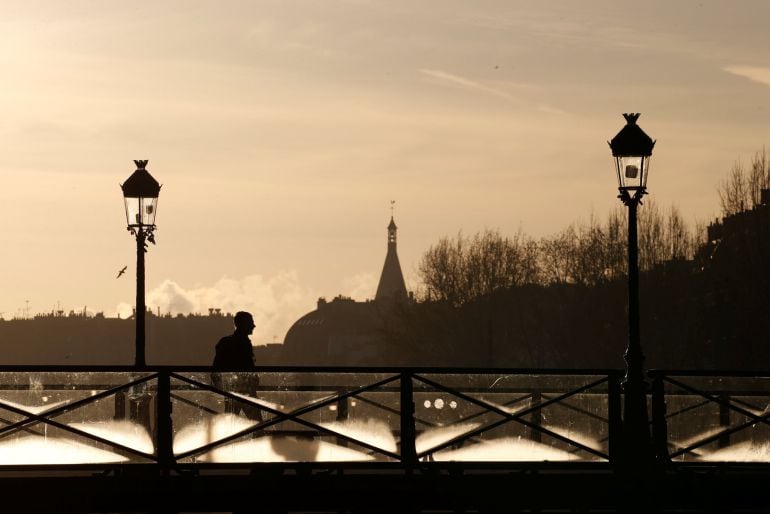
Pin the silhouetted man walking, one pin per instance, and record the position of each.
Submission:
(235, 353)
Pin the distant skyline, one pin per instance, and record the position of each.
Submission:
(281, 131)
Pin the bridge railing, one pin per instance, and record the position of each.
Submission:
(191, 416)
(102, 416)
(714, 416)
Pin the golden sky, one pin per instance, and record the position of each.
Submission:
(281, 130)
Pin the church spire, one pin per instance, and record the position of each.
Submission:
(391, 284)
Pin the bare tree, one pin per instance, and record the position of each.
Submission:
(651, 235)
(759, 176)
(556, 253)
(734, 191)
(441, 269)
(679, 240)
(585, 253)
(600, 252)
(461, 269)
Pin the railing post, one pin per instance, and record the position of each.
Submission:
(342, 416)
(139, 402)
(615, 420)
(342, 409)
(408, 434)
(659, 425)
(140, 405)
(724, 419)
(120, 405)
(164, 427)
(536, 418)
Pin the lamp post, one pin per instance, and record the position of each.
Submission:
(631, 149)
(140, 193)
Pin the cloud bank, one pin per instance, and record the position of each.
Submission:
(276, 302)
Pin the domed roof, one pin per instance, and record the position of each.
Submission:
(317, 336)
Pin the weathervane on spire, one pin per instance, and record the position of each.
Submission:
(392, 203)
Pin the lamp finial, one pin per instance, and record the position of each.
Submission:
(631, 117)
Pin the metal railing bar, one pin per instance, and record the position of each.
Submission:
(581, 410)
(41, 419)
(342, 370)
(511, 390)
(571, 442)
(566, 439)
(193, 404)
(317, 388)
(730, 392)
(65, 408)
(394, 411)
(484, 410)
(274, 421)
(317, 405)
(679, 448)
(748, 405)
(281, 388)
(280, 417)
(737, 373)
(524, 422)
(715, 437)
(480, 403)
(718, 401)
(391, 410)
(24, 429)
(56, 387)
(293, 416)
(687, 409)
(669, 443)
(462, 437)
(497, 410)
(518, 417)
(224, 440)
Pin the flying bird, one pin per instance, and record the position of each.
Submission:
(121, 271)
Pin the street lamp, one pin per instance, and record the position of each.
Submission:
(140, 193)
(632, 149)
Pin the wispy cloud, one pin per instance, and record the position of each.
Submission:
(472, 85)
(753, 73)
(468, 84)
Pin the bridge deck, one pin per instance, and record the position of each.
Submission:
(312, 489)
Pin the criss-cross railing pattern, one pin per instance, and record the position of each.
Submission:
(192, 417)
(716, 417)
(298, 423)
(75, 417)
(517, 417)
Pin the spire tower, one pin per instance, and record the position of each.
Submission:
(391, 286)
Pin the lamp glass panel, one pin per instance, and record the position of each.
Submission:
(632, 171)
(141, 211)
